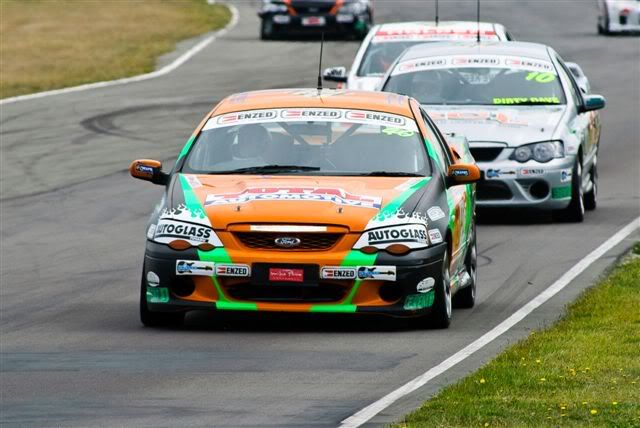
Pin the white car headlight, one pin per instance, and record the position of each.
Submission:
(269, 7)
(355, 8)
(396, 239)
(542, 152)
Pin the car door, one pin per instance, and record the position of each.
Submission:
(458, 197)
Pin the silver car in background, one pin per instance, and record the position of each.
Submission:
(532, 131)
(386, 42)
(617, 16)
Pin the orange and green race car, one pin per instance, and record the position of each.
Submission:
(299, 200)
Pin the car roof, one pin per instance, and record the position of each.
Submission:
(311, 97)
(531, 50)
(441, 28)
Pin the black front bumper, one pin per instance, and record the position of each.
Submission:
(403, 298)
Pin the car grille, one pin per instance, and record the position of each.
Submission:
(312, 8)
(492, 191)
(308, 241)
(485, 154)
(323, 292)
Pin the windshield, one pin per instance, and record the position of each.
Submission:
(309, 141)
(477, 80)
(380, 56)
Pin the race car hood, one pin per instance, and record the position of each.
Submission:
(512, 125)
(342, 201)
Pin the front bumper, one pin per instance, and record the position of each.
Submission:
(624, 22)
(306, 24)
(399, 298)
(507, 183)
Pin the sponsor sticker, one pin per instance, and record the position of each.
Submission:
(435, 236)
(406, 234)
(377, 273)
(307, 194)
(194, 267)
(419, 301)
(286, 275)
(151, 231)
(144, 169)
(435, 213)
(425, 285)
(367, 117)
(169, 230)
(465, 61)
(500, 173)
(477, 117)
(193, 181)
(336, 272)
(566, 175)
(528, 172)
(238, 270)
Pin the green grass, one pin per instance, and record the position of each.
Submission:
(49, 44)
(583, 371)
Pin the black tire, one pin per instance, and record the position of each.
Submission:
(156, 319)
(591, 197)
(266, 29)
(574, 213)
(466, 297)
(442, 308)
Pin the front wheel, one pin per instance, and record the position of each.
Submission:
(266, 29)
(574, 213)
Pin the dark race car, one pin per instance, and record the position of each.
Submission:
(349, 18)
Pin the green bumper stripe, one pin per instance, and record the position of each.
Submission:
(157, 295)
(236, 306)
(333, 309)
(561, 192)
(186, 147)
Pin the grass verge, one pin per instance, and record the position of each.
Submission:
(49, 44)
(584, 370)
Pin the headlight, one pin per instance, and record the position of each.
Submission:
(181, 235)
(396, 239)
(355, 8)
(269, 7)
(542, 152)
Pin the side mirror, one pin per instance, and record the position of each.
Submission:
(148, 170)
(462, 173)
(593, 102)
(335, 74)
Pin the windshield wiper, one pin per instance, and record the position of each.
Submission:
(391, 174)
(269, 169)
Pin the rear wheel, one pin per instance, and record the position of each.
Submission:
(156, 319)
(574, 213)
(591, 197)
(466, 297)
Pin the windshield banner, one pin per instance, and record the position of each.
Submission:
(288, 115)
(474, 61)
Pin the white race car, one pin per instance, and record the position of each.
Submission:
(384, 44)
(616, 16)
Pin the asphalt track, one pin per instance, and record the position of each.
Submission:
(73, 352)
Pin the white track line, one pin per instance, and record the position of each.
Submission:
(373, 409)
(139, 78)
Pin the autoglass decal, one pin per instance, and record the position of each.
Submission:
(186, 147)
(217, 255)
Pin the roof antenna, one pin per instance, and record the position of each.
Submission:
(437, 15)
(320, 65)
(478, 34)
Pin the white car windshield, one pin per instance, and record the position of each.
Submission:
(309, 141)
(477, 80)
